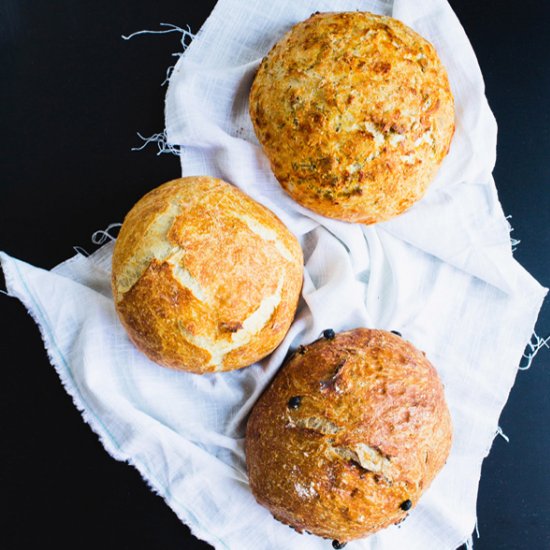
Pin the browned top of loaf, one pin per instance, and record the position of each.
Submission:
(371, 431)
(355, 113)
(204, 278)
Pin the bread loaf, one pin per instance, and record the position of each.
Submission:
(204, 278)
(350, 433)
(355, 113)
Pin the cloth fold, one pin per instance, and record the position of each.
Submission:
(442, 274)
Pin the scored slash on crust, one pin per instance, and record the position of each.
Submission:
(366, 457)
(267, 235)
(137, 264)
(182, 275)
(250, 327)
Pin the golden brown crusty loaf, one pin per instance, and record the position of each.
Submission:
(349, 434)
(355, 113)
(204, 278)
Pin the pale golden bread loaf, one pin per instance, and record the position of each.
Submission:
(204, 278)
(349, 435)
(355, 113)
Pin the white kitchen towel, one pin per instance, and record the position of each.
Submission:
(442, 274)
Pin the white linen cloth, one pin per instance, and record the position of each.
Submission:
(442, 274)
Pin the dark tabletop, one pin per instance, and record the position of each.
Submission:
(73, 94)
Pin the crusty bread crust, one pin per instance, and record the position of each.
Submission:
(350, 430)
(204, 278)
(355, 113)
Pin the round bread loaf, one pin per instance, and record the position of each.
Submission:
(355, 113)
(349, 434)
(204, 278)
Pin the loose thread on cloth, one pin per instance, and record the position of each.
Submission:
(504, 436)
(469, 543)
(513, 242)
(162, 143)
(186, 37)
(186, 34)
(101, 236)
(532, 349)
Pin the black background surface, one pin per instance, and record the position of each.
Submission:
(73, 95)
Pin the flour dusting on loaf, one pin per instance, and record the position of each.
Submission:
(204, 278)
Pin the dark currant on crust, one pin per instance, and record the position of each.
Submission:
(294, 402)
